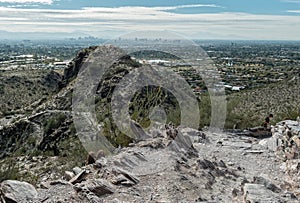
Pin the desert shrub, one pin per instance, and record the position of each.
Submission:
(54, 122)
(10, 172)
(205, 110)
(1, 88)
(150, 97)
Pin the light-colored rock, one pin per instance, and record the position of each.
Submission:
(258, 193)
(69, 175)
(16, 191)
(271, 143)
(76, 170)
(296, 140)
(237, 144)
(100, 163)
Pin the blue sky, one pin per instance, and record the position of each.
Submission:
(249, 6)
(197, 19)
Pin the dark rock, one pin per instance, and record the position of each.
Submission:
(74, 67)
(267, 184)
(59, 182)
(79, 177)
(100, 187)
(122, 180)
(235, 192)
(206, 164)
(127, 174)
(222, 164)
(91, 158)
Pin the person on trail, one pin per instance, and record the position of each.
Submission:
(267, 124)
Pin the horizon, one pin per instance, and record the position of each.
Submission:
(92, 38)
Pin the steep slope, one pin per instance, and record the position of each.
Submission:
(47, 128)
(249, 108)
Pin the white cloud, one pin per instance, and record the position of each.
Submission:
(293, 11)
(186, 6)
(27, 1)
(291, 1)
(111, 22)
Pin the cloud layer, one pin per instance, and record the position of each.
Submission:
(292, 1)
(27, 1)
(111, 22)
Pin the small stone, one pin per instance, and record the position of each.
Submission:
(91, 158)
(44, 185)
(79, 177)
(100, 154)
(59, 182)
(127, 174)
(296, 140)
(235, 192)
(77, 170)
(230, 163)
(116, 201)
(34, 159)
(100, 163)
(122, 180)
(222, 164)
(117, 180)
(69, 175)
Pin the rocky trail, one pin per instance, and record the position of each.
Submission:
(179, 165)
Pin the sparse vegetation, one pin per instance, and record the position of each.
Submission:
(21, 88)
(53, 135)
(53, 123)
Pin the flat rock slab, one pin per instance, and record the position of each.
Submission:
(237, 144)
(259, 193)
(100, 187)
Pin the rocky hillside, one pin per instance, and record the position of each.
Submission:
(20, 88)
(249, 108)
(42, 158)
(175, 165)
(45, 130)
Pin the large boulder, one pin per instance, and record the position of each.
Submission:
(288, 132)
(16, 191)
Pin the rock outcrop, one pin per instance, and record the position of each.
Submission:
(47, 128)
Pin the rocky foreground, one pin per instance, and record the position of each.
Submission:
(181, 165)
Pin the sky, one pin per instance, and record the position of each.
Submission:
(194, 19)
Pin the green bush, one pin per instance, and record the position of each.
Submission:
(54, 122)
